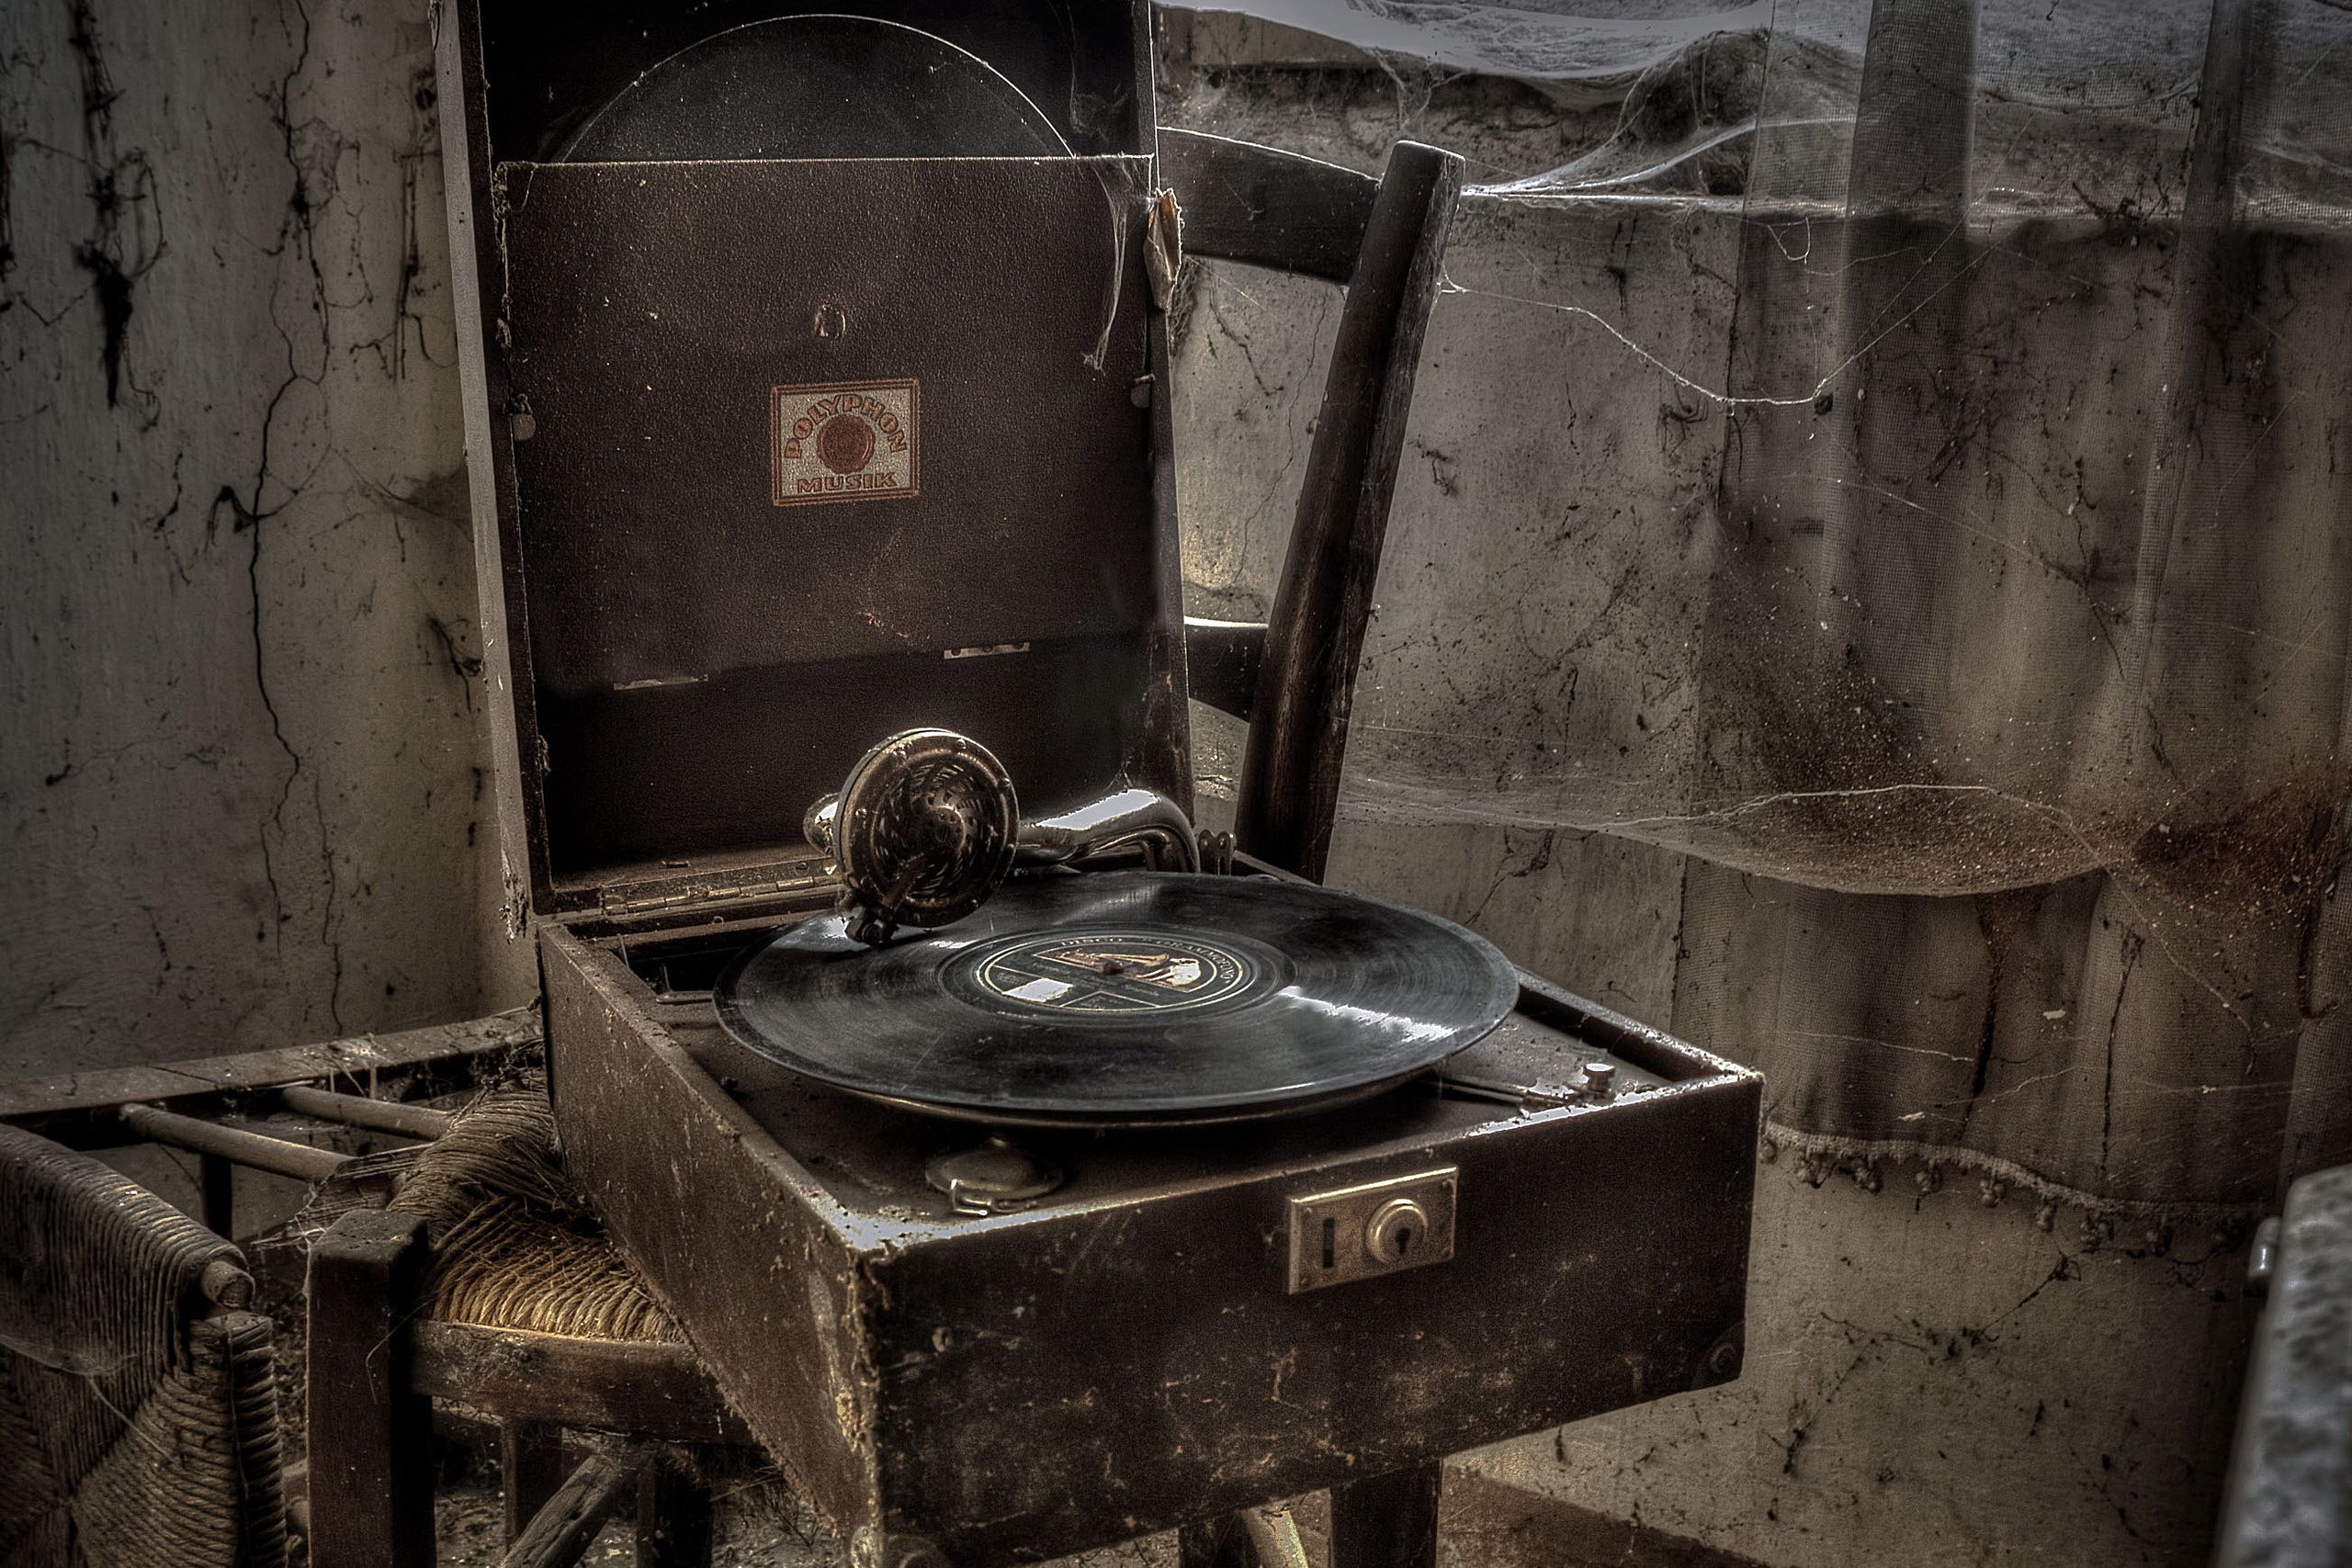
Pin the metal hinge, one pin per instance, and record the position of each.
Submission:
(806, 876)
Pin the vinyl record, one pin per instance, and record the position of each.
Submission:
(1124, 998)
(817, 86)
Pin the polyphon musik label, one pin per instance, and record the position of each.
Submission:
(856, 441)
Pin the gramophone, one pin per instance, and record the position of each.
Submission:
(1027, 1178)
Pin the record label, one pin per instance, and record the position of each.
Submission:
(1106, 972)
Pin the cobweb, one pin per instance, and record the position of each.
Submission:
(1900, 464)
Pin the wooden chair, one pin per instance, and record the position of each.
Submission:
(195, 1106)
(375, 1366)
(1292, 679)
(138, 1412)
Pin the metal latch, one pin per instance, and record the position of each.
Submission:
(787, 880)
(1375, 1227)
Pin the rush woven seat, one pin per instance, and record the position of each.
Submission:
(509, 1243)
(138, 1418)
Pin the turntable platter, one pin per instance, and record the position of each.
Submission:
(1124, 998)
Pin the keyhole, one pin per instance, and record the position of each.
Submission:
(1393, 1229)
(1330, 1244)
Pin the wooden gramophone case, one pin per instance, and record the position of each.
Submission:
(689, 644)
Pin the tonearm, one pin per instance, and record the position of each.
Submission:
(927, 825)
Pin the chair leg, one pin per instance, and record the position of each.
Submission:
(1274, 1536)
(1386, 1521)
(370, 1434)
(218, 1179)
(672, 1518)
(568, 1524)
(530, 1467)
(1214, 1544)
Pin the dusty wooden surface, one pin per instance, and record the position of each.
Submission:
(528, 1380)
(342, 1063)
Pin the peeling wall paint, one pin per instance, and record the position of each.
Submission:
(245, 804)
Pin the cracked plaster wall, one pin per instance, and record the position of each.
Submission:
(239, 751)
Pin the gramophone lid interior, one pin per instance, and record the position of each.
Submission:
(788, 452)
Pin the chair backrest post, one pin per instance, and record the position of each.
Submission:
(1289, 788)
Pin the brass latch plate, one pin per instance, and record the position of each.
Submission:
(1372, 1228)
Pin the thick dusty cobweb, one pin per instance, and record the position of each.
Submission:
(1902, 467)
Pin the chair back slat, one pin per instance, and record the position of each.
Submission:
(1247, 203)
(1290, 781)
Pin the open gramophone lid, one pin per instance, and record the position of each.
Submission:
(1124, 998)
